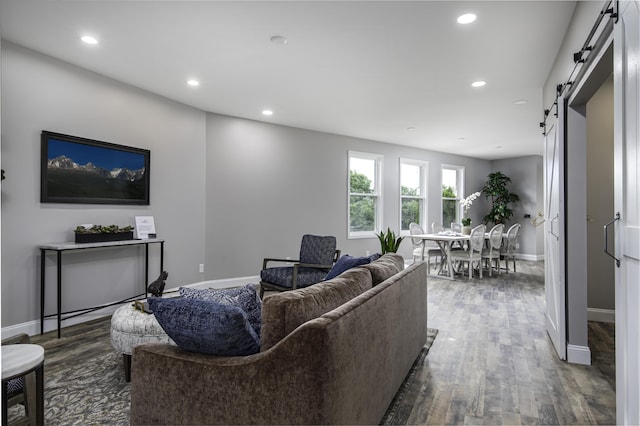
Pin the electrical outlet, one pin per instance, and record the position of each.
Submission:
(201, 268)
(517, 246)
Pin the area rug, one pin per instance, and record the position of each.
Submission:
(93, 392)
(398, 412)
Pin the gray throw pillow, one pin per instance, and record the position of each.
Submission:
(205, 327)
(245, 297)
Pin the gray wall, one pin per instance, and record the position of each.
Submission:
(526, 181)
(584, 16)
(41, 93)
(267, 185)
(600, 270)
(226, 191)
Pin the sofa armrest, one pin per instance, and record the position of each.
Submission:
(283, 385)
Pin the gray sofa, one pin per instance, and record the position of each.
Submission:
(332, 353)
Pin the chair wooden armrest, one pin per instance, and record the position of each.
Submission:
(273, 259)
(312, 265)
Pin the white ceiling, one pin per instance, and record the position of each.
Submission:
(368, 69)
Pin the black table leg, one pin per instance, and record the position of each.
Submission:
(40, 394)
(59, 292)
(42, 259)
(146, 268)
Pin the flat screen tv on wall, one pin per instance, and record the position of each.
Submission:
(87, 171)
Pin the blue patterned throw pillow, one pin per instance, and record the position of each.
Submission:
(245, 297)
(206, 327)
(345, 263)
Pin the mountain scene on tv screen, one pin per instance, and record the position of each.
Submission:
(66, 178)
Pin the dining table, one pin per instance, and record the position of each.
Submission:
(445, 241)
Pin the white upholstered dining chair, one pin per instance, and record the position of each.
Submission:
(422, 248)
(508, 251)
(491, 253)
(473, 252)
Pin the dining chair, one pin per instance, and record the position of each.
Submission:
(436, 228)
(473, 252)
(457, 228)
(422, 248)
(508, 251)
(491, 252)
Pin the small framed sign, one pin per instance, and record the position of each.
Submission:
(145, 227)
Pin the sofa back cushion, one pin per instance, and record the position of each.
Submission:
(284, 312)
(385, 267)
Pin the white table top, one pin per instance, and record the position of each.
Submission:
(20, 358)
(75, 246)
(441, 237)
(448, 237)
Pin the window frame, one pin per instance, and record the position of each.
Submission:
(459, 193)
(424, 189)
(377, 194)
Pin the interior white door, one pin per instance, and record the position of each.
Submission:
(554, 265)
(627, 203)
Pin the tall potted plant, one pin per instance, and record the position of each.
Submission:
(496, 189)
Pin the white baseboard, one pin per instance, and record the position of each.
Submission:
(224, 283)
(601, 315)
(33, 327)
(531, 257)
(579, 354)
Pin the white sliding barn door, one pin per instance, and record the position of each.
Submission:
(627, 203)
(554, 265)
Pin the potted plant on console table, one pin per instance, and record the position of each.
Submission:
(100, 234)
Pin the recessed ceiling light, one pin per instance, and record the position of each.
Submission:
(467, 18)
(267, 112)
(520, 102)
(89, 39)
(411, 129)
(193, 83)
(478, 83)
(279, 40)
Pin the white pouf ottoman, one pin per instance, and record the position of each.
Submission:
(130, 328)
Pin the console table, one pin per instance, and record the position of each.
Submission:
(59, 248)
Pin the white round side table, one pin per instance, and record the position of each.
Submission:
(22, 360)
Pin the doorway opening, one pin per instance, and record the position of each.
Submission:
(590, 138)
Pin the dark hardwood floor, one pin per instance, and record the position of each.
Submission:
(493, 363)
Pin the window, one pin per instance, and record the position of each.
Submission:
(413, 194)
(365, 198)
(452, 190)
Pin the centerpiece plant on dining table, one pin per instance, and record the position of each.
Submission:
(466, 204)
